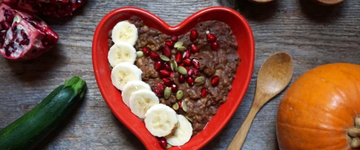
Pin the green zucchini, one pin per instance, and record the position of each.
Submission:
(27, 131)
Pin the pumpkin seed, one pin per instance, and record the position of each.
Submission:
(139, 54)
(173, 65)
(167, 92)
(184, 106)
(168, 146)
(199, 79)
(175, 106)
(182, 70)
(179, 94)
(164, 58)
(179, 46)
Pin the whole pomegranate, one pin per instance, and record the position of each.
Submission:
(23, 36)
(52, 8)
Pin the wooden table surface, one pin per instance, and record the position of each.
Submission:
(312, 34)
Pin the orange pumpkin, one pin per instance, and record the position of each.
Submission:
(319, 110)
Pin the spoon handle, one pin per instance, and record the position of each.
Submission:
(241, 134)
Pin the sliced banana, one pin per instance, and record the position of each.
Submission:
(121, 52)
(124, 31)
(160, 120)
(182, 133)
(141, 101)
(123, 73)
(130, 88)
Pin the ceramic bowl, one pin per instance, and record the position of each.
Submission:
(112, 96)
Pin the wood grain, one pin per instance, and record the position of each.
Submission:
(312, 34)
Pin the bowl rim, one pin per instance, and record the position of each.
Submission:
(174, 28)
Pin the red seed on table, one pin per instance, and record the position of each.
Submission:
(158, 65)
(190, 72)
(196, 71)
(174, 88)
(214, 46)
(204, 92)
(146, 51)
(174, 38)
(162, 142)
(190, 81)
(195, 63)
(186, 54)
(211, 38)
(194, 48)
(164, 73)
(167, 81)
(193, 35)
(215, 81)
(169, 43)
(166, 51)
(187, 62)
(181, 78)
(161, 87)
(157, 91)
(154, 56)
(167, 66)
(171, 74)
(178, 57)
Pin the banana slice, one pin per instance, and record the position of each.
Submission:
(123, 73)
(182, 133)
(141, 101)
(160, 120)
(124, 31)
(121, 52)
(130, 88)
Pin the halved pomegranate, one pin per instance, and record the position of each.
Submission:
(24, 36)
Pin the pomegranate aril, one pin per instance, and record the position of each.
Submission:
(167, 51)
(161, 87)
(196, 71)
(172, 74)
(187, 62)
(157, 91)
(167, 66)
(194, 48)
(211, 38)
(164, 73)
(186, 54)
(162, 142)
(174, 88)
(204, 92)
(146, 51)
(193, 35)
(169, 43)
(167, 81)
(158, 65)
(214, 46)
(215, 81)
(190, 81)
(178, 57)
(195, 63)
(174, 38)
(154, 56)
(181, 78)
(190, 72)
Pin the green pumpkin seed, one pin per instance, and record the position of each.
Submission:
(182, 70)
(184, 106)
(167, 92)
(199, 79)
(173, 65)
(168, 146)
(139, 54)
(164, 58)
(179, 94)
(179, 46)
(175, 106)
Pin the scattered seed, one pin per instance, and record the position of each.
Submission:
(164, 58)
(175, 106)
(184, 106)
(182, 70)
(179, 46)
(199, 79)
(167, 92)
(173, 65)
(139, 54)
(188, 118)
(179, 94)
(168, 146)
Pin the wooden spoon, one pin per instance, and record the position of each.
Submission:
(274, 75)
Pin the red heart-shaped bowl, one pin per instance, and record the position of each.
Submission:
(240, 84)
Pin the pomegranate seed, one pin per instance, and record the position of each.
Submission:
(193, 35)
(215, 80)
(164, 73)
(211, 38)
(158, 65)
(214, 46)
(181, 78)
(194, 48)
(162, 142)
(174, 38)
(190, 81)
(204, 92)
(167, 51)
(178, 58)
(171, 74)
(154, 56)
(195, 63)
(196, 71)
(190, 72)
(174, 88)
(186, 54)
(161, 87)
(157, 91)
(179, 103)
(187, 62)
(167, 81)
(169, 43)
(146, 51)
(167, 66)
(187, 68)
